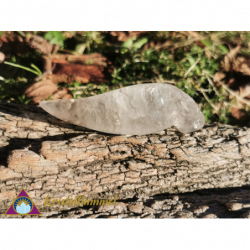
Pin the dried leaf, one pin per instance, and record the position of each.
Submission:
(233, 52)
(219, 76)
(2, 57)
(60, 94)
(93, 59)
(41, 90)
(13, 44)
(230, 57)
(242, 64)
(237, 114)
(40, 44)
(44, 89)
(70, 73)
(70, 78)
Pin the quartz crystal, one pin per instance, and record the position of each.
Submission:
(135, 110)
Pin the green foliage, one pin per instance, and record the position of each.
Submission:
(55, 37)
(133, 44)
(37, 71)
(10, 90)
(75, 90)
(169, 57)
(22, 100)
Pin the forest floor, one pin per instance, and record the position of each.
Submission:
(212, 67)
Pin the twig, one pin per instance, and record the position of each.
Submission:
(68, 51)
(45, 73)
(229, 104)
(81, 87)
(177, 45)
(191, 68)
(216, 91)
(190, 41)
(211, 83)
(208, 100)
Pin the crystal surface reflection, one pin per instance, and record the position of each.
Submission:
(134, 110)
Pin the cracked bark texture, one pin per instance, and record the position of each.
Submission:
(204, 174)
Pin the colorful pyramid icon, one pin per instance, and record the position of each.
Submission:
(23, 205)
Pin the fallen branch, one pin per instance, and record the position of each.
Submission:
(47, 156)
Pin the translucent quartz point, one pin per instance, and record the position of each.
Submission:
(134, 110)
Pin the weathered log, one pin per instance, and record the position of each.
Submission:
(47, 156)
(203, 204)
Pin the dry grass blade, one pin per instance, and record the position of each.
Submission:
(190, 41)
(208, 100)
(191, 68)
(213, 86)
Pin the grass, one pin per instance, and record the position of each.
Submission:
(173, 57)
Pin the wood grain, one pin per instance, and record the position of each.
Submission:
(47, 156)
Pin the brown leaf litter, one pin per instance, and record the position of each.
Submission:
(71, 73)
(236, 75)
(44, 89)
(57, 68)
(15, 44)
(39, 44)
(93, 59)
(70, 68)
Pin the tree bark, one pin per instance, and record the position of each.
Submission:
(162, 175)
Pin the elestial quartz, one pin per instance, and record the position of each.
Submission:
(135, 110)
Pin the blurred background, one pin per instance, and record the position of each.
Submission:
(212, 67)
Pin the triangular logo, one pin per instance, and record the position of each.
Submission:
(23, 205)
